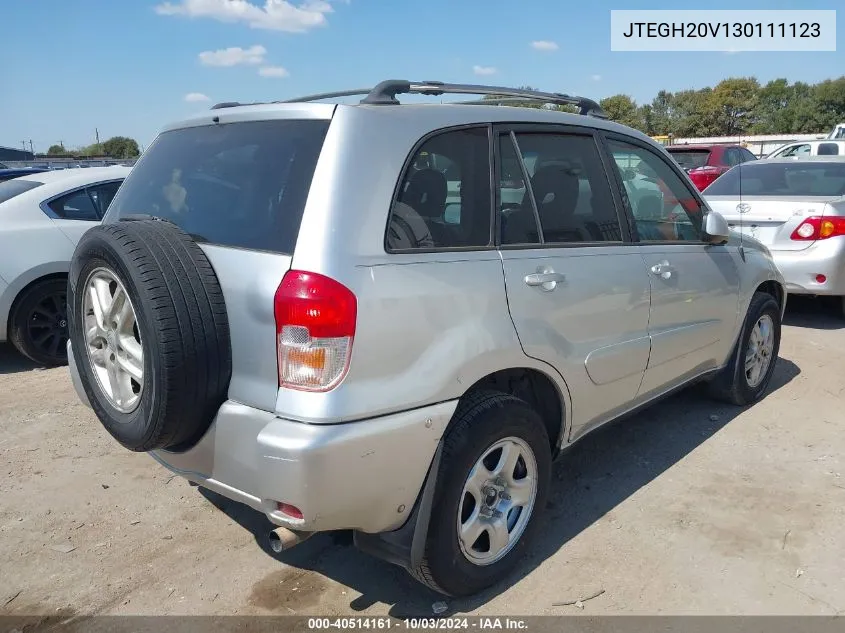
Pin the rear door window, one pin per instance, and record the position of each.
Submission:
(569, 192)
(240, 184)
(76, 205)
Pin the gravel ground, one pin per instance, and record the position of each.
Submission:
(688, 508)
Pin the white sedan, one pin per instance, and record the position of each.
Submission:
(42, 217)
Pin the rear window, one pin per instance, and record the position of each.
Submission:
(12, 188)
(238, 184)
(690, 158)
(766, 179)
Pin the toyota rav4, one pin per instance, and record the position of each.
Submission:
(390, 318)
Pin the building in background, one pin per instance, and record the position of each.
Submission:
(10, 153)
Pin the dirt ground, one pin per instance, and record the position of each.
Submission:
(688, 508)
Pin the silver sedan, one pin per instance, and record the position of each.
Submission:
(797, 209)
(42, 217)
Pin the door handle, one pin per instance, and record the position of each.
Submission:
(662, 270)
(545, 278)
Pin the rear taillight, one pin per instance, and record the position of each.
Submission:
(702, 177)
(315, 325)
(818, 228)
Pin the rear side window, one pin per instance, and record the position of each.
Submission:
(766, 179)
(238, 184)
(828, 149)
(443, 200)
(77, 205)
(12, 188)
(690, 158)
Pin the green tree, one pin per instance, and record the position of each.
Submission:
(90, 151)
(734, 103)
(623, 109)
(692, 114)
(773, 115)
(121, 147)
(658, 115)
(56, 150)
(829, 98)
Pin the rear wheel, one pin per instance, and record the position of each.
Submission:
(38, 326)
(492, 483)
(747, 375)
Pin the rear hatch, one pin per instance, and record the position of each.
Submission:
(769, 200)
(239, 187)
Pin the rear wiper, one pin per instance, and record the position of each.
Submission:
(129, 217)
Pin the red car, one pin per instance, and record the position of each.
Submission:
(705, 163)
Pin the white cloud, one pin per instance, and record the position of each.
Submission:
(233, 56)
(275, 15)
(272, 71)
(595, 77)
(193, 97)
(544, 45)
(484, 70)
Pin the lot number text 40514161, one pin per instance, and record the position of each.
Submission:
(421, 624)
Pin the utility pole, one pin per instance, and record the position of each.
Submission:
(31, 151)
(97, 134)
(23, 144)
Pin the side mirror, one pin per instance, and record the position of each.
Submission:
(716, 229)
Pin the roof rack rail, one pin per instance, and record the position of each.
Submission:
(385, 94)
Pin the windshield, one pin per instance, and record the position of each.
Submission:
(690, 158)
(12, 188)
(240, 184)
(781, 180)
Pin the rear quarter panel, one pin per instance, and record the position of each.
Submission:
(429, 324)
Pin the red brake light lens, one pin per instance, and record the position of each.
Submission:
(315, 325)
(818, 228)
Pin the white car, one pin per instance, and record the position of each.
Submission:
(42, 217)
(801, 149)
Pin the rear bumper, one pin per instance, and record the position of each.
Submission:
(364, 475)
(800, 268)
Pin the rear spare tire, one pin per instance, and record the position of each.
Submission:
(150, 334)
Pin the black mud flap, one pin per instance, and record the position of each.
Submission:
(405, 546)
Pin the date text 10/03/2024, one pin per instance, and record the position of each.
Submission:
(421, 624)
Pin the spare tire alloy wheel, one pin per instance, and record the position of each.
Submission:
(114, 346)
(497, 501)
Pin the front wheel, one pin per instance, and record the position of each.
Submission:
(747, 375)
(492, 484)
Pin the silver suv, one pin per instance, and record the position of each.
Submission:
(391, 318)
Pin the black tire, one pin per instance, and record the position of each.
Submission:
(480, 421)
(731, 384)
(38, 324)
(182, 322)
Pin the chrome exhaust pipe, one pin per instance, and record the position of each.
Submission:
(282, 539)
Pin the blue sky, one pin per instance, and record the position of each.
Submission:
(126, 66)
